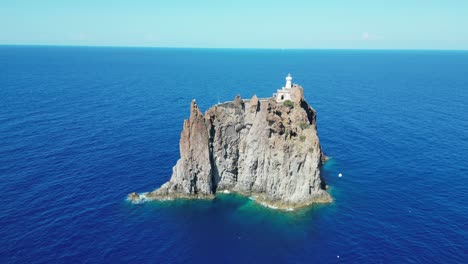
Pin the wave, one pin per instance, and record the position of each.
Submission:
(143, 198)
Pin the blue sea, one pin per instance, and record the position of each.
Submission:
(81, 127)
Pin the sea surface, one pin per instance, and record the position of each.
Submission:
(81, 127)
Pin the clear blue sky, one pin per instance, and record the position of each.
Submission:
(358, 24)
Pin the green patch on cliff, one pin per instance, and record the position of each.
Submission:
(304, 125)
(288, 103)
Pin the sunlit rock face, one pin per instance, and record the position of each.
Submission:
(258, 147)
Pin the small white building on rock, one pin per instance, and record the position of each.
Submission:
(284, 93)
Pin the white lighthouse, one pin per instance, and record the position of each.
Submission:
(288, 81)
(284, 93)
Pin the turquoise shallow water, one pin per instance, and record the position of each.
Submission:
(80, 128)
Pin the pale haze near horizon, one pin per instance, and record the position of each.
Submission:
(361, 24)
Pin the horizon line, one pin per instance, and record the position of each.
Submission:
(225, 48)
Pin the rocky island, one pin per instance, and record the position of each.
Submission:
(267, 149)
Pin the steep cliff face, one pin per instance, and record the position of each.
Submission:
(259, 148)
(192, 175)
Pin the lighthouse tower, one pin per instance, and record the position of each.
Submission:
(288, 81)
(284, 93)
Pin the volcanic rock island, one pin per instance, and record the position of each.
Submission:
(267, 149)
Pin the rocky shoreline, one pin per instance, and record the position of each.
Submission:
(257, 197)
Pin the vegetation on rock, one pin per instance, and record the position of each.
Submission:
(304, 125)
(288, 103)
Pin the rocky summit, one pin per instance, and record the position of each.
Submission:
(262, 148)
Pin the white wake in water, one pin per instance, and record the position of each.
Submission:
(142, 198)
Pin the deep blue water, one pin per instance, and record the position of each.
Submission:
(80, 128)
